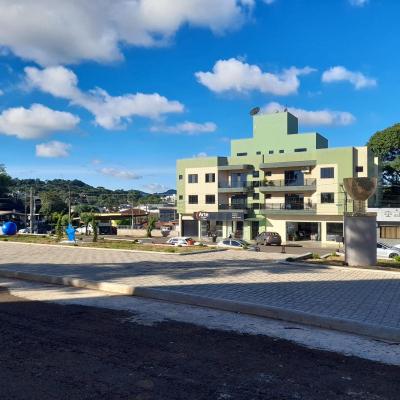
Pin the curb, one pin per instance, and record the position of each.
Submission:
(304, 256)
(339, 324)
(126, 250)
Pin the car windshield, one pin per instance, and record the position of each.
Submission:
(243, 242)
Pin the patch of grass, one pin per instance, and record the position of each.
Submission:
(43, 239)
(315, 256)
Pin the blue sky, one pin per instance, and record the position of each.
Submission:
(112, 93)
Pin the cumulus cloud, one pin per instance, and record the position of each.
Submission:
(155, 188)
(339, 73)
(61, 32)
(316, 117)
(118, 173)
(187, 127)
(358, 3)
(35, 122)
(237, 76)
(110, 112)
(201, 154)
(53, 149)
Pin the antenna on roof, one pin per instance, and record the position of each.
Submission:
(254, 111)
(285, 109)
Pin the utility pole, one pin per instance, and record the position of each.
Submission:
(25, 213)
(31, 211)
(69, 204)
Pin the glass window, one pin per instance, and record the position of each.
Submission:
(271, 152)
(334, 228)
(267, 196)
(327, 197)
(235, 243)
(241, 154)
(327, 172)
(226, 242)
(210, 177)
(210, 199)
(359, 168)
(256, 196)
(281, 151)
(193, 199)
(256, 174)
(299, 150)
(193, 178)
(180, 197)
(258, 153)
(268, 173)
(180, 177)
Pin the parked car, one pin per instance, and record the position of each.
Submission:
(385, 251)
(181, 241)
(269, 238)
(82, 230)
(237, 244)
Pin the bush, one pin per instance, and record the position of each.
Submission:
(170, 250)
(315, 256)
(396, 258)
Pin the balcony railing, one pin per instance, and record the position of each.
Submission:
(289, 207)
(235, 185)
(288, 185)
(240, 206)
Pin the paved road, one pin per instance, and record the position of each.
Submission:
(361, 296)
(51, 351)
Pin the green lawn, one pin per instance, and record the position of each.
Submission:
(105, 244)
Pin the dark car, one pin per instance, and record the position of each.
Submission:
(269, 238)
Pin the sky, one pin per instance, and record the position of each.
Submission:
(113, 92)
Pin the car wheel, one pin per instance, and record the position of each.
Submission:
(392, 255)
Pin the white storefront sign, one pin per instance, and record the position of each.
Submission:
(386, 214)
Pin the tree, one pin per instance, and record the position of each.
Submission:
(51, 202)
(59, 228)
(385, 145)
(5, 181)
(86, 218)
(151, 224)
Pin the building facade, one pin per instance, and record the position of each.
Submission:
(279, 180)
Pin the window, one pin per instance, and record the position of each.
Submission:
(210, 178)
(193, 178)
(256, 174)
(300, 149)
(268, 173)
(241, 154)
(258, 153)
(256, 196)
(193, 199)
(327, 197)
(281, 151)
(327, 172)
(271, 152)
(180, 197)
(334, 228)
(359, 168)
(180, 177)
(210, 199)
(267, 196)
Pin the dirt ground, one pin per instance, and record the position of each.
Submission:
(51, 351)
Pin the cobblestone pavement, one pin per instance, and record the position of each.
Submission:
(364, 296)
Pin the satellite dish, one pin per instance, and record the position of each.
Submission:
(254, 111)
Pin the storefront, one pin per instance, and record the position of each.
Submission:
(388, 222)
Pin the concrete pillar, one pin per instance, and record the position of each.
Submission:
(360, 240)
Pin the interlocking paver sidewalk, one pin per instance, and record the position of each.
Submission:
(362, 296)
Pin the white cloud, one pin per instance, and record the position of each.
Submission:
(155, 188)
(316, 117)
(269, 1)
(339, 73)
(53, 149)
(187, 127)
(110, 112)
(35, 122)
(238, 76)
(60, 32)
(201, 154)
(358, 3)
(118, 173)
(1, 92)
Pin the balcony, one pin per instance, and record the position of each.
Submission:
(233, 207)
(306, 185)
(286, 208)
(288, 164)
(235, 167)
(237, 187)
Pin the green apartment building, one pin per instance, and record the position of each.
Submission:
(279, 180)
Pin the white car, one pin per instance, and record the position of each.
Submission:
(237, 244)
(82, 229)
(25, 230)
(181, 241)
(385, 251)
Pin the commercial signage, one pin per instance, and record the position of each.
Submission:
(386, 214)
(219, 216)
